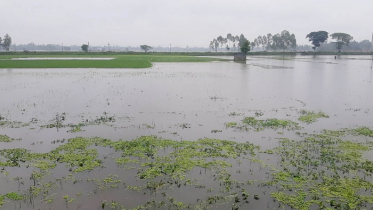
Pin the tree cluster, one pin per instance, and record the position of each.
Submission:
(286, 41)
(364, 45)
(6, 42)
(230, 41)
(318, 37)
(280, 41)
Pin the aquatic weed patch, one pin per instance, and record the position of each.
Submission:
(310, 116)
(161, 166)
(321, 170)
(364, 131)
(271, 123)
(325, 171)
(5, 138)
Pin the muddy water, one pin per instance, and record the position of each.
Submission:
(179, 101)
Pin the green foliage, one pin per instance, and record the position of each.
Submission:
(317, 37)
(5, 138)
(146, 48)
(310, 116)
(7, 41)
(231, 124)
(341, 39)
(75, 129)
(15, 196)
(85, 48)
(325, 178)
(272, 123)
(245, 47)
(283, 41)
(365, 131)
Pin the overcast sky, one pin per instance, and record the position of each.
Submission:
(179, 22)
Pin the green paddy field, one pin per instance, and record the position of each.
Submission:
(118, 61)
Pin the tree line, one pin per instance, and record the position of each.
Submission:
(279, 41)
(286, 41)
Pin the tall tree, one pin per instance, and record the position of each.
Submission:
(269, 40)
(220, 39)
(7, 42)
(341, 39)
(241, 40)
(260, 40)
(245, 47)
(214, 44)
(237, 39)
(283, 41)
(145, 47)
(229, 38)
(253, 44)
(85, 47)
(293, 41)
(317, 38)
(264, 41)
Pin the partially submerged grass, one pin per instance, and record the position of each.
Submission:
(324, 171)
(271, 123)
(310, 116)
(364, 131)
(5, 138)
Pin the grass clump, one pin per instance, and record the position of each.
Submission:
(364, 131)
(15, 196)
(272, 123)
(310, 116)
(5, 138)
(231, 124)
(75, 129)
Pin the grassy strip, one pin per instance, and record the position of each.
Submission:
(120, 61)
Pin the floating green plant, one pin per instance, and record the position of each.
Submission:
(319, 170)
(365, 131)
(310, 116)
(271, 123)
(75, 129)
(231, 124)
(5, 138)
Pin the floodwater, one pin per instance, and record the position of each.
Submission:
(178, 101)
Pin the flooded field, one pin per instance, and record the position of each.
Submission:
(277, 132)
